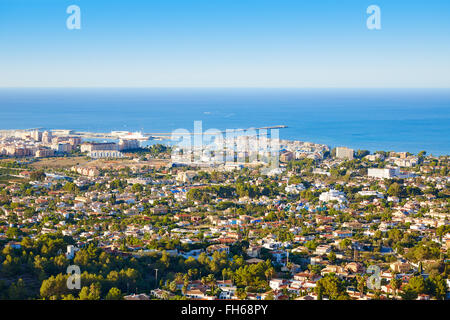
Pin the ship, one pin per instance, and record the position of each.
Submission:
(126, 135)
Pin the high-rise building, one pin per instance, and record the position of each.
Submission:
(47, 137)
(62, 147)
(75, 141)
(344, 153)
(287, 156)
(127, 144)
(44, 152)
(36, 135)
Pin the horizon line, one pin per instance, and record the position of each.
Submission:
(214, 87)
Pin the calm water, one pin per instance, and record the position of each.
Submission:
(401, 120)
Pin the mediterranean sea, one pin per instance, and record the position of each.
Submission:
(374, 119)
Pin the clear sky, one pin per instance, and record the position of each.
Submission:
(224, 43)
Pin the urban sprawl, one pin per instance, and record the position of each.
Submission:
(140, 223)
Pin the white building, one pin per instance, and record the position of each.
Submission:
(276, 284)
(103, 146)
(62, 147)
(105, 154)
(385, 173)
(186, 176)
(71, 251)
(374, 157)
(408, 162)
(332, 195)
(140, 180)
(128, 144)
(371, 193)
(321, 171)
(295, 188)
(344, 153)
(47, 137)
(323, 249)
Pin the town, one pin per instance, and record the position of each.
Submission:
(141, 225)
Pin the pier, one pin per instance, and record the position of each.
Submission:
(158, 135)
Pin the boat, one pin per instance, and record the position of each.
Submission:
(131, 135)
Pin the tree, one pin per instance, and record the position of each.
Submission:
(361, 154)
(394, 190)
(332, 257)
(13, 233)
(38, 175)
(421, 155)
(409, 294)
(137, 188)
(344, 244)
(114, 294)
(165, 260)
(319, 290)
(91, 293)
(361, 284)
(269, 296)
(420, 268)
(441, 231)
(173, 286)
(331, 286)
(395, 284)
(211, 280)
(269, 273)
(17, 291)
(54, 286)
(84, 293)
(95, 291)
(437, 286)
(71, 187)
(417, 284)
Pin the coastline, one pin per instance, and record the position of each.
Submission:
(373, 119)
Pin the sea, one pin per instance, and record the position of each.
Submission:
(372, 119)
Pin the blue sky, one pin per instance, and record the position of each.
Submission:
(224, 43)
